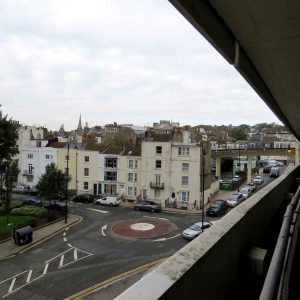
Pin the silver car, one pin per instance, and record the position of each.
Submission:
(235, 199)
(194, 230)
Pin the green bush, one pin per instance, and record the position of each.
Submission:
(38, 212)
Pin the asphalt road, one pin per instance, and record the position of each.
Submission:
(87, 254)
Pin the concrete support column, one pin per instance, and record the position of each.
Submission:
(249, 169)
(218, 166)
(297, 153)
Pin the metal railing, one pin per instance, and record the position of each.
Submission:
(277, 279)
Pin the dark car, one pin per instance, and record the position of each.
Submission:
(217, 208)
(84, 198)
(55, 205)
(148, 206)
(31, 201)
(267, 169)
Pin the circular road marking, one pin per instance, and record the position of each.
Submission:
(142, 226)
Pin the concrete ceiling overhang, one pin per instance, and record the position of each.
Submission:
(261, 38)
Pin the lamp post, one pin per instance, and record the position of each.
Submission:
(202, 182)
(239, 167)
(67, 179)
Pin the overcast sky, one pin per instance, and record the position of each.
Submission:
(124, 61)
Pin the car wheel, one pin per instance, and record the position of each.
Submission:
(136, 208)
(97, 203)
(111, 205)
(152, 210)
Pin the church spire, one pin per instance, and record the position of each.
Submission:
(79, 128)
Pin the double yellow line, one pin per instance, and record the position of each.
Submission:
(112, 279)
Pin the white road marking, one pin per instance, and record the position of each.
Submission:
(70, 245)
(164, 239)
(103, 228)
(67, 228)
(29, 276)
(75, 254)
(13, 276)
(98, 210)
(12, 285)
(46, 268)
(156, 218)
(64, 234)
(61, 260)
(65, 239)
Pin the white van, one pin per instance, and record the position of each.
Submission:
(108, 200)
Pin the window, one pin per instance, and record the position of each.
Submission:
(158, 164)
(86, 171)
(132, 163)
(85, 185)
(157, 178)
(86, 158)
(47, 156)
(131, 191)
(30, 169)
(184, 196)
(29, 179)
(110, 176)
(38, 144)
(30, 155)
(157, 193)
(184, 180)
(158, 149)
(132, 177)
(183, 151)
(185, 167)
(111, 162)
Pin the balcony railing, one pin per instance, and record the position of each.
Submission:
(27, 173)
(157, 185)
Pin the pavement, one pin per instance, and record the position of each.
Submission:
(9, 249)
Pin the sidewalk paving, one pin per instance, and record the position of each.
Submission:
(8, 248)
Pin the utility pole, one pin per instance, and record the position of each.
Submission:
(67, 180)
(203, 154)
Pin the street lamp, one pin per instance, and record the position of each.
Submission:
(202, 181)
(67, 179)
(239, 167)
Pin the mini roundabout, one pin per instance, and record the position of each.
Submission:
(142, 228)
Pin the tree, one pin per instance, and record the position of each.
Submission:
(10, 177)
(239, 132)
(52, 183)
(8, 139)
(8, 167)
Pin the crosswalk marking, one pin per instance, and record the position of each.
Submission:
(12, 285)
(29, 276)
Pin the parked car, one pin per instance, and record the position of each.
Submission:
(217, 208)
(33, 192)
(84, 198)
(20, 189)
(253, 186)
(259, 179)
(235, 199)
(31, 201)
(148, 205)
(194, 230)
(55, 205)
(246, 191)
(109, 200)
(236, 178)
(266, 169)
(274, 172)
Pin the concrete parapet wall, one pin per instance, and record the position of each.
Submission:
(208, 266)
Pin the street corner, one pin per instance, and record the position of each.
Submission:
(142, 228)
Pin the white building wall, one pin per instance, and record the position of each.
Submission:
(88, 182)
(150, 173)
(178, 186)
(129, 177)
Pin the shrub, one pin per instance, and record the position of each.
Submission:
(38, 212)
